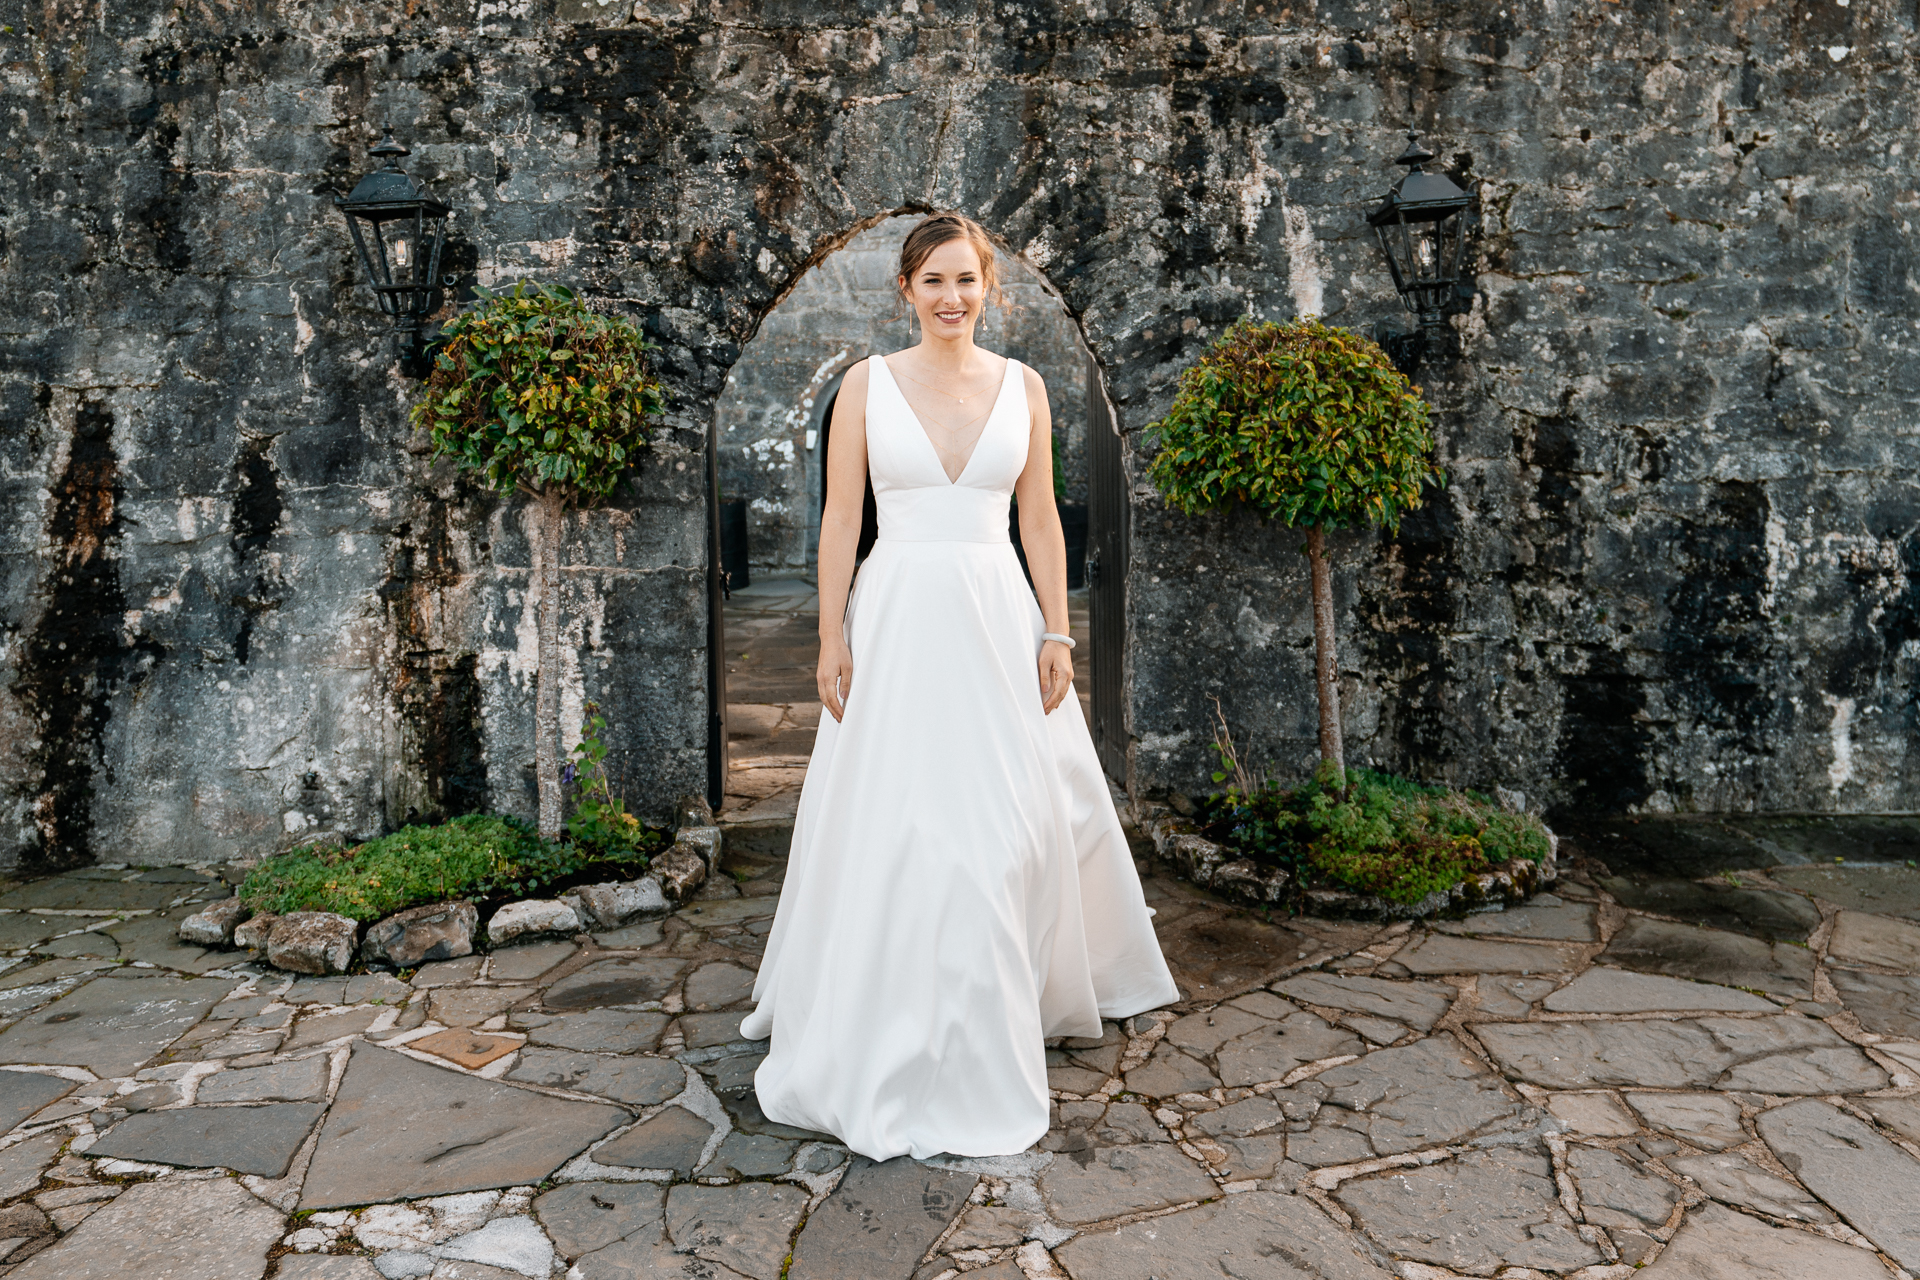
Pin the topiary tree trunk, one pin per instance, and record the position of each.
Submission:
(1326, 663)
(550, 512)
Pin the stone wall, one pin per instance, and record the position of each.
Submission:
(1675, 565)
(770, 415)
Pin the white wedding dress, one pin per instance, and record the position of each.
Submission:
(959, 887)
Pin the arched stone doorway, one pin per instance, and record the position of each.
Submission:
(772, 430)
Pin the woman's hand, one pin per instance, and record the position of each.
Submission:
(834, 676)
(1056, 673)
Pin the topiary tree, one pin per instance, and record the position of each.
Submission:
(535, 392)
(1308, 425)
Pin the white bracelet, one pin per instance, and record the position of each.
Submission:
(1060, 639)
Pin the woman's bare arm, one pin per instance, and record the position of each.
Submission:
(1045, 545)
(840, 535)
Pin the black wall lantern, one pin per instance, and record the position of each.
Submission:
(1422, 231)
(398, 228)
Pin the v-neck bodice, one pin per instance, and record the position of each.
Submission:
(916, 500)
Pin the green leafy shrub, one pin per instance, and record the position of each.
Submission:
(1370, 832)
(478, 856)
(599, 819)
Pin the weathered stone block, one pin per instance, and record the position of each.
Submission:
(312, 942)
(608, 906)
(517, 919)
(213, 926)
(681, 870)
(408, 939)
(252, 933)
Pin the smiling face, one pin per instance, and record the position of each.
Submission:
(947, 291)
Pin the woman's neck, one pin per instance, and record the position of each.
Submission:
(948, 355)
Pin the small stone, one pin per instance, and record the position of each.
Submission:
(469, 1049)
(1599, 1115)
(1167, 1072)
(751, 1155)
(1567, 923)
(257, 1140)
(24, 1092)
(448, 973)
(512, 1244)
(154, 1095)
(1737, 1180)
(322, 1028)
(1862, 1175)
(1614, 1192)
(1902, 1115)
(526, 961)
(300, 1080)
(312, 942)
(1249, 1115)
(1583, 1055)
(703, 1030)
(321, 1266)
(1202, 1034)
(1715, 1243)
(213, 925)
(471, 1006)
(251, 934)
(408, 939)
(1376, 1030)
(403, 1265)
(594, 1030)
(517, 919)
(1418, 1095)
(705, 839)
(631, 938)
(1622, 991)
(1885, 1004)
(609, 906)
(680, 871)
(673, 1139)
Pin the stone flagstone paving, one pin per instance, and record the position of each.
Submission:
(1710, 1080)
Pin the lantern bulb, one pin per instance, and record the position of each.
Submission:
(1424, 255)
(402, 254)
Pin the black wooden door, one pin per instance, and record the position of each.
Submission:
(1106, 576)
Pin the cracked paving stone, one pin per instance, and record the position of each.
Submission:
(1569, 922)
(324, 1266)
(1418, 1004)
(1763, 913)
(1716, 1243)
(1886, 1004)
(209, 1229)
(258, 1140)
(645, 1256)
(1167, 1071)
(1710, 1121)
(1260, 1234)
(1440, 953)
(447, 973)
(527, 962)
(1202, 1034)
(745, 1227)
(704, 1030)
(24, 930)
(989, 1227)
(612, 982)
(1885, 890)
(593, 1030)
(24, 1092)
(319, 1028)
(1902, 1115)
(1477, 1213)
(1615, 1192)
(23, 1164)
(673, 1139)
(297, 1081)
(584, 1216)
(879, 1221)
(114, 1024)
(1419, 1095)
(1737, 1180)
(401, 1128)
(751, 1155)
(1624, 991)
(717, 985)
(1784, 1054)
(1261, 1156)
(1865, 1178)
(1599, 1115)
(639, 1082)
(1510, 997)
(1711, 955)
(1122, 1180)
(1274, 1049)
(1237, 1120)
(471, 1006)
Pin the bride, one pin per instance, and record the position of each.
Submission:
(959, 887)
